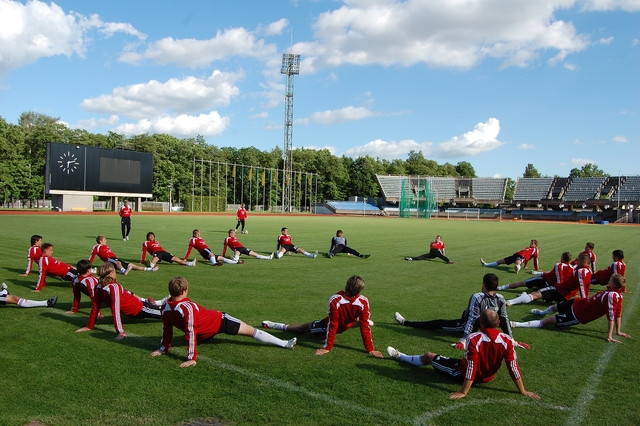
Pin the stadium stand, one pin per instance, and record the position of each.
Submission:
(391, 186)
(608, 187)
(353, 207)
(583, 188)
(558, 188)
(485, 189)
(629, 190)
(532, 189)
(444, 188)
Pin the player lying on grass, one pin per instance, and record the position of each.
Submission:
(346, 308)
(285, 244)
(10, 299)
(578, 282)
(153, 247)
(584, 310)
(102, 250)
(232, 242)
(436, 250)
(486, 349)
(121, 301)
(33, 254)
(560, 272)
(617, 267)
(470, 320)
(200, 324)
(51, 266)
(201, 246)
(524, 255)
(339, 245)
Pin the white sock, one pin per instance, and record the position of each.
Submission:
(306, 253)
(212, 260)
(523, 298)
(490, 264)
(152, 265)
(547, 311)
(260, 256)
(503, 287)
(148, 269)
(192, 263)
(26, 303)
(225, 260)
(123, 270)
(411, 359)
(528, 324)
(268, 338)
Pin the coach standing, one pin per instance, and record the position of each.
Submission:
(125, 220)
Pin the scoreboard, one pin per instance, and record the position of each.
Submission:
(75, 169)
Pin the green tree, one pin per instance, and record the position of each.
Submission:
(465, 169)
(530, 172)
(588, 170)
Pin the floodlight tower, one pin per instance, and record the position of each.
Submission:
(290, 67)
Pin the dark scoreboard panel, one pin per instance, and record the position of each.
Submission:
(98, 170)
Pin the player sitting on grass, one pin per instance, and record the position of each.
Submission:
(346, 308)
(579, 281)
(524, 255)
(153, 247)
(199, 244)
(470, 320)
(588, 250)
(102, 250)
(232, 242)
(585, 310)
(617, 267)
(285, 244)
(200, 324)
(560, 272)
(34, 254)
(121, 301)
(85, 283)
(339, 245)
(436, 250)
(6, 298)
(51, 266)
(486, 349)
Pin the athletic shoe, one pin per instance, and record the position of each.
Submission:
(408, 258)
(315, 254)
(393, 352)
(537, 272)
(129, 268)
(124, 239)
(450, 262)
(127, 238)
(245, 232)
(155, 268)
(268, 324)
(536, 312)
(52, 302)
(291, 343)
(3, 287)
(330, 255)
(512, 324)
(271, 256)
(517, 267)
(370, 323)
(365, 256)
(240, 262)
(399, 318)
(483, 262)
(279, 255)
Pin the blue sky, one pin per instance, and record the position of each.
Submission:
(497, 83)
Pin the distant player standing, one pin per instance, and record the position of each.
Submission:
(241, 214)
(34, 254)
(125, 220)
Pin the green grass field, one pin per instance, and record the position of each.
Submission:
(52, 375)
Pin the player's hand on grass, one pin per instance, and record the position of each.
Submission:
(531, 395)
(457, 395)
(121, 336)
(157, 352)
(23, 275)
(377, 354)
(321, 351)
(82, 330)
(70, 312)
(459, 346)
(189, 363)
(523, 345)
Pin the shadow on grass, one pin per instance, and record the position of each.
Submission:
(400, 371)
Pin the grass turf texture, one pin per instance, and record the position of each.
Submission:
(52, 375)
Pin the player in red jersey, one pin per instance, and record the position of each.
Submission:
(201, 246)
(85, 283)
(241, 214)
(286, 245)
(578, 282)
(524, 255)
(102, 250)
(200, 324)
(346, 308)
(34, 254)
(560, 272)
(51, 266)
(153, 247)
(617, 267)
(121, 301)
(339, 245)
(486, 349)
(10, 299)
(585, 310)
(232, 242)
(125, 220)
(436, 249)
(588, 250)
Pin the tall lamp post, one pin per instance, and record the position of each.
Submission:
(290, 67)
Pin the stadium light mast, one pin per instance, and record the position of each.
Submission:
(290, 67)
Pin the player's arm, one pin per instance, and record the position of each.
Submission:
(464, 390)
(144, 253)
(224, 247)
(186, 255)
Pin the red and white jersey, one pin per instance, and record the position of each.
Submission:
(33, 256)
(561, 272)
(241, 214)
(51, 266)
(150, 247)
(437, 245)
(284, 240)
(486, 349)
(578, 282)
(232, 243)
(592, 259)
(103, 252)
(602, 276)
(118, 299)
(125, 211)
(195, 321)
(344, 312)
(83, 284)
(602, 303)
(196, 243)
(530, 253)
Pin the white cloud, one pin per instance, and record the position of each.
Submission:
(608, 5)
(581, 161)
(331, 149)
(189, 94)
(440, 33)
(35, 30)
(482, 138)
(210, 124)
(606, 41)
(635, 42)
(275, 28)
(263, 115)
(349, 113)
(620, 139)
(92, 123)
(526, 146)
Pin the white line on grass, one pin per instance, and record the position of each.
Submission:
(579, 412)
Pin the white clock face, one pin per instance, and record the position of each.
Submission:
(68, 162)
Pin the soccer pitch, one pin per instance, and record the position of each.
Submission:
(52, 375)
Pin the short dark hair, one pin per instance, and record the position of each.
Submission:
(566, 257)
(150, 233)
(35, 239)
(618, 253)
(490, 282)
(45, 246)
(83, 266)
